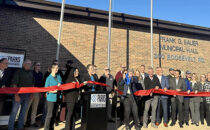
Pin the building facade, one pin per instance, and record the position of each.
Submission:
(32, 25)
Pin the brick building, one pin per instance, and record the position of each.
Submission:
(32, 25)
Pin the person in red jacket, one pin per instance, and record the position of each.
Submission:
(120, 74)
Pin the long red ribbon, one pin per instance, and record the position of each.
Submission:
(62, 87)
(170, 92)
(68, 86)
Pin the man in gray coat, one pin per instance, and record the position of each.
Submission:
(177, 83)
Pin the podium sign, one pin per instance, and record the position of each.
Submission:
(98, 101)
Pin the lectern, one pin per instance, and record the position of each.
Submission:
(94, 112)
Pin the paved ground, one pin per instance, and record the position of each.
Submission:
(112, 127)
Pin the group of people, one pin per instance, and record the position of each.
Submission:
(128, 81)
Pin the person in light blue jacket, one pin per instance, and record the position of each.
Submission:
(52, 80)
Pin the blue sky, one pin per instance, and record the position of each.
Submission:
(194, 12)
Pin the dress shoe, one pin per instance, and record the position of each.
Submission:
(197, 124)
(145, 125)
(157, 124)
(137, 127)
(127, 128)
(187, 123)
(34, 125)
(165, 124)
(180, 125)
(172, 123)
(192, 123)
(153, 125)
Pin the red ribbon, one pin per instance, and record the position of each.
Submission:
(170, 92)
(21, 90)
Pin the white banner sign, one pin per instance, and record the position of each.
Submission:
(98, 101)
(15, 60)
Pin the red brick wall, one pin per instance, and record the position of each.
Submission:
(37, 33)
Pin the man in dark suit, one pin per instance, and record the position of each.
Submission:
(129, 100)
(3, 81)
(177, 83)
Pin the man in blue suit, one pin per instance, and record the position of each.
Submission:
(163, 99)
(129, 100)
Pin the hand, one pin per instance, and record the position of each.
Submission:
(73, 82)
(174, 95)
(178, 90)
(17, 98)
(124, 75)
(55, 91)
(112, 94)
(85, 82)
(156, 87)
(151, 94)
(165, 89)
(59, 84)
(3, 86)
(196, 91)
(188, 91)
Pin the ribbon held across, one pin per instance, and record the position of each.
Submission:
(170, 92)
(22, 90)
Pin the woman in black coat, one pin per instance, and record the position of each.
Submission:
(71, 97)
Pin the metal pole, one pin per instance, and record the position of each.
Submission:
(109, 35)
(151, 29)
(60, 29)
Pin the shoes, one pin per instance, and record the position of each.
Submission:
(56, 123)
(197, 124)
(202, 122)
(111, 120)
(153, 125)
(187, 123)
(165, 124)
(127, 128)
(27, 125)
(34, 125)
(192, 123)
(145, 125)
(172, 123)
(157, 124)
(180, 125)
(137, 127)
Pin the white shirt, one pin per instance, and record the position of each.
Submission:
(129, 91)
(143, 76)
(1, 73)
(159, 77)
(177, 81)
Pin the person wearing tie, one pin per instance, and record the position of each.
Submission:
(177, 83)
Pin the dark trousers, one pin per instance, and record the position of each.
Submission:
(162, 102)
(1, 108)
(202, 111)
(130, 106)
(186, 110)
(208, 114)
(174, 106)
(70, 115)
(51, 115)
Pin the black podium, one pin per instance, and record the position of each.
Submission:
(94, 112)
